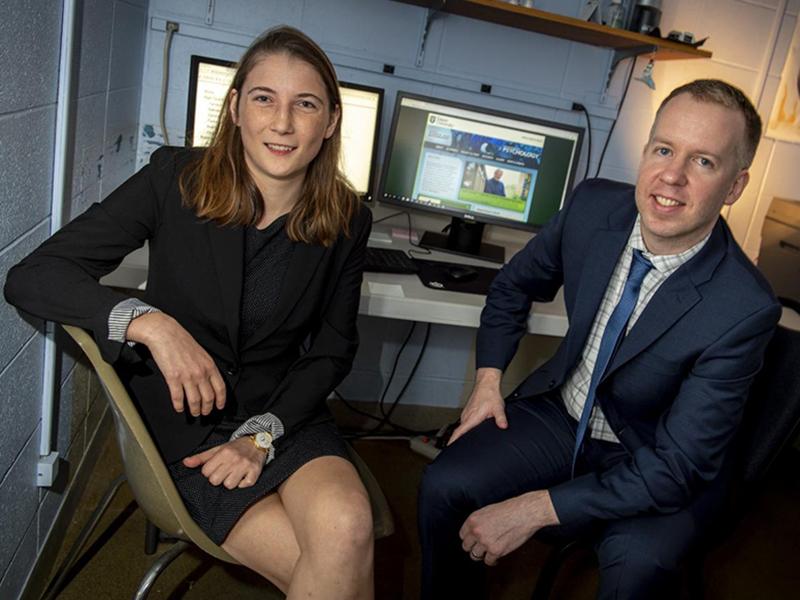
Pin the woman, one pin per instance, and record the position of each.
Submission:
(256, 250)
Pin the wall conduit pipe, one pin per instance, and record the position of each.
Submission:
(48, 459)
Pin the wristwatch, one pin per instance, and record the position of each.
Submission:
(262, 440)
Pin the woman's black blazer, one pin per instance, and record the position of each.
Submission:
(195, 275)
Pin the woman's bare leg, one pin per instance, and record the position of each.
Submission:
(263, 539)
(330, 513)
(313, 539)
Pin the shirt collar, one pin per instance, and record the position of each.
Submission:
(663, 263)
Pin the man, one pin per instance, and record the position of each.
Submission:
(623, 432)
(494, 185)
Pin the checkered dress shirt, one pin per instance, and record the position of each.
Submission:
(576, 387)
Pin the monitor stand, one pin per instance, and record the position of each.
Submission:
(463, 238)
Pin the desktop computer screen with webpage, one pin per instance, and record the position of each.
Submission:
(477, 166)
(210, 78)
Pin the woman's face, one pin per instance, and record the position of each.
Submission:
(283, 115)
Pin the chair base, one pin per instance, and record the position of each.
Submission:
(64, 574)
(153, 536)
(158, 567)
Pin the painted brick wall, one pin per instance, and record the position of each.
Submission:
(107, 93)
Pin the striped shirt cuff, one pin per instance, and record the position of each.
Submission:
(122, 315)
(266, 422)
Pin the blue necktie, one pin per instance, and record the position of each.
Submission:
(615, 329)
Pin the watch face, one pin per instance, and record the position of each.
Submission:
(263, 440)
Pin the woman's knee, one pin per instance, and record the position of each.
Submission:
(353, 519)
(340, 522)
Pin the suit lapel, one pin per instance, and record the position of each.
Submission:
(672, 300)
(598, 266)
(227, 249)
(676, 296)
(302, 267)
(595, 275)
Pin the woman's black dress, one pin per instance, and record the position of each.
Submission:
(216, 508)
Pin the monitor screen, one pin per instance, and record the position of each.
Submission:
(210, 78)
(477, 164)
(361, 121)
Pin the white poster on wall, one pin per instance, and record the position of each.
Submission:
(784, 122)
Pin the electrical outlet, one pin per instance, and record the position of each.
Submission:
(47, 470)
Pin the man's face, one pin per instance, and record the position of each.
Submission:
(689, 170)
(498, 174)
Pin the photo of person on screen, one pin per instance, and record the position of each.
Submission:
(495, 184)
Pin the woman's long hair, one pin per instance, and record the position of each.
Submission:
(219, 187)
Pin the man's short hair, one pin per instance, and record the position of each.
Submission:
(729, 96)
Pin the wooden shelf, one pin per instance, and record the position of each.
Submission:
(539, 21)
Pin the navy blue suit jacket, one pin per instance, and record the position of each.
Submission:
(674, 392)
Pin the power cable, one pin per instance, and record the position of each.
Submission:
(172, 27)
(579, 106)
(619, 111)
(411, 374)
(420, 249)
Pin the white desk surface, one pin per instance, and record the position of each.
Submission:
(397, 296)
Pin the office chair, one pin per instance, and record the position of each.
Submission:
(771, 421)
(153, 489)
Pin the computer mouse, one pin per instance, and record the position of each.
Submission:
(461, 273)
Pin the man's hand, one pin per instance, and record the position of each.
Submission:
(498, 529)
(189, 371)
(233, 464)
(486, 402)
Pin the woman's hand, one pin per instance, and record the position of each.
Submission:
(233, 464)
(486, 402)
(189, 371)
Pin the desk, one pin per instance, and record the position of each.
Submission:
(396, 296)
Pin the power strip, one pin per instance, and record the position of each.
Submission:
(424, 445)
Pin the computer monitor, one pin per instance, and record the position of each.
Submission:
(478, 166)
(210, 78)
(361, 122)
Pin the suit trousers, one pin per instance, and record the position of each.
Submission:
(639, 557)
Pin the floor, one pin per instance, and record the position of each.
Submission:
(760, 560)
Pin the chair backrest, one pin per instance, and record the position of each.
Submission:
(144, 468)
(772, 412)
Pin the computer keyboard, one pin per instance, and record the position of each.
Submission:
(384, 260)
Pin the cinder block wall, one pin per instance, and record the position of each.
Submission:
(109, 56)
